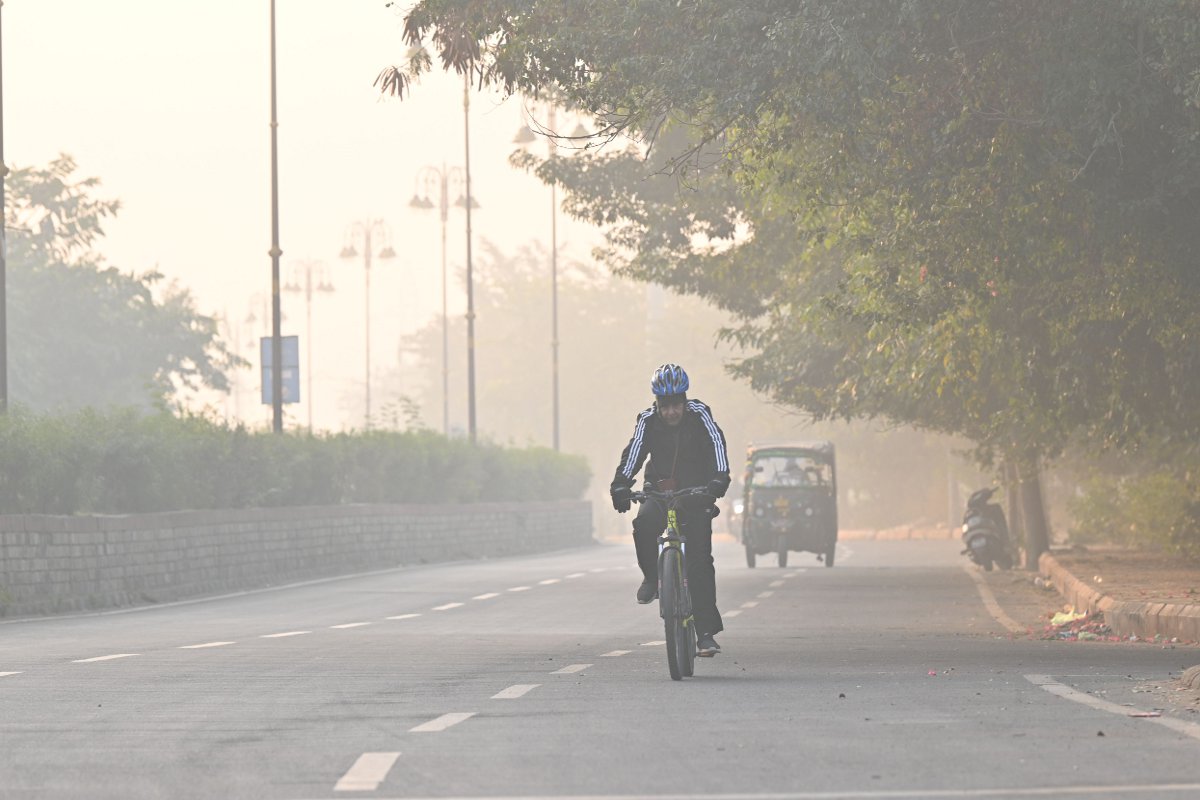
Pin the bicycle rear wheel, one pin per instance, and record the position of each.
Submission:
(671, 606)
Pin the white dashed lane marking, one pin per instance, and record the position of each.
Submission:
(570, 669)
(750, 604)
(350, 625)
(104, 658)
(367, 773)
(653, 644)
(442, 722)
(775, 583)
(615, 653)
(549, 581)
(6, 674)
(733, 613)
(765, 594)
(513, 692)
(577, 574)
(487, 596)
(404, 616)
(447, 607)
(520, 588)
(202, 646)
(282, 635)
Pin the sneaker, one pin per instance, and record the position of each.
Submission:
(706, 646)
(648, 591)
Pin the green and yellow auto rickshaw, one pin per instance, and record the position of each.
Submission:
(789, 500)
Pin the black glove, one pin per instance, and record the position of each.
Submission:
(622, 498)
(717, 487)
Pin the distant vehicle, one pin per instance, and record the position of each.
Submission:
(985, 532)
(789, 500)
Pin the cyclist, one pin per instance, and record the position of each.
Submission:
(686, 448)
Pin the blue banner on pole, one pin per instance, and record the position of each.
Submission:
(291, 369)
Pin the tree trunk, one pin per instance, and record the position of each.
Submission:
(1033, 515)
(1012, 507)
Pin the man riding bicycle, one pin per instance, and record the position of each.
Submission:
(686, 448)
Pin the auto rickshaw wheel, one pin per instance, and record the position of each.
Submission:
(783, 551)
(829, 554)
(750, 557)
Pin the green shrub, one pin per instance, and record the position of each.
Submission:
(122, 461)
(1160, 510)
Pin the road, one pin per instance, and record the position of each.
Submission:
(540, 677)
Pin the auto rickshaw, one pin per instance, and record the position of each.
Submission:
(789, 500)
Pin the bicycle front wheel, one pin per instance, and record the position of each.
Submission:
(672, 606)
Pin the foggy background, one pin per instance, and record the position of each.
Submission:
(167, 105)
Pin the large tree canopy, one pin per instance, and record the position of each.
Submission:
(978, 217)
(85, 334)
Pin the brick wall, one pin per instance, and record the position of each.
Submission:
(55, 564)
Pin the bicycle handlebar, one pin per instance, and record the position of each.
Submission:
(651, 494)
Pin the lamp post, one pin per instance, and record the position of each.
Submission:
(306, 269)
(275, 253)
(437, 182)
(361, 233)
(525, 137)
(470, 273)
(3, 239)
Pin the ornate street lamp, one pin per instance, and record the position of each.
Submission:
(305, 269)
(433, 182)
(361, 233)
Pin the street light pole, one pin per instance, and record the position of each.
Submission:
(3, 239)
(427, 178)
(323, 285)
(364, 230)
(275, 252)
(470, 275)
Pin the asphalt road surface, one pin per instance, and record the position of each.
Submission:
(886, 676)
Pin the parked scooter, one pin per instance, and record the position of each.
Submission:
(985, 532)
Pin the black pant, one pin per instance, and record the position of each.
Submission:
(696, 523)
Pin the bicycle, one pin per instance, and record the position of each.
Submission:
(674, 600)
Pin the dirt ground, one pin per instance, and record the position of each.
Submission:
(1135, 576)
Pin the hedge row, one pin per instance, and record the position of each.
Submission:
(124, 461)
(1159, 510)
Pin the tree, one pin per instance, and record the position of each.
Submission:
(976, 218)
(85, 334)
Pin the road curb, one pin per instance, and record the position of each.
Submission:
(1145, 620)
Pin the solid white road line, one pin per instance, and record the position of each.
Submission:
(733, 613)
(570, 669)
(549, 581)
(202, 646)
(880, 794)
(282, 635)
(104, 658)
(367, 773)
(989, 601)
(487, 596)
(6, 674)
(1062, 690)
(513, 692)
(615, 653)
(577, 574)
(442, 722)
(404, 616)
(520, 588)
(350, 625)
(447, 607)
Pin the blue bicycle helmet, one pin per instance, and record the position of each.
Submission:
(668, 380)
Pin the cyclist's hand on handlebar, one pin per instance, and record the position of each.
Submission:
(622, 496)
(717, 487)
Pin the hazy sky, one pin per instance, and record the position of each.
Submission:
(167, 103)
